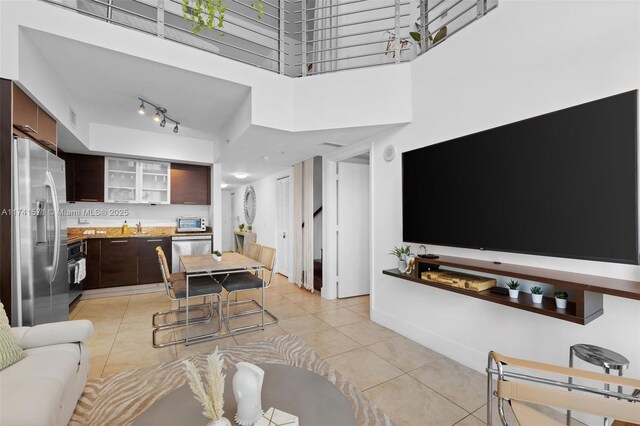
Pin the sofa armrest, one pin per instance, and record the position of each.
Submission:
(54, 333)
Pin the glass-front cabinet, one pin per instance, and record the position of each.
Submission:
(136, 181)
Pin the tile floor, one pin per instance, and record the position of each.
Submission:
(411, 383)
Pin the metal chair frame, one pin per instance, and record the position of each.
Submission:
(259, 306)
(208, 307)
(521, 389)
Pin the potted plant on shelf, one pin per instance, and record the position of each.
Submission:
(241, 227)
(536, 294)
(561, 299)
(401, 253)
(513, 288)
(217, 255)
(249, 228)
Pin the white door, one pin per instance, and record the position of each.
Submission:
(283, 226)
(353, 229)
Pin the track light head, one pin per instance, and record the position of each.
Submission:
(175, 129)
(163, 122)
(157, 116)
(141, 109)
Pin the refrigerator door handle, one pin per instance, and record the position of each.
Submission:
(50, 183)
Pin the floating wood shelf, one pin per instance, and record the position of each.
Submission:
(588, 288)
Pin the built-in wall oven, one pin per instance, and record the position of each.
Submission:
(77, 267)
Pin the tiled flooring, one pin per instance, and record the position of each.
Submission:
(411, 383)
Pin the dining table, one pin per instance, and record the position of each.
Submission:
(206, 265)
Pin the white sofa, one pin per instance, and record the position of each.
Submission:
(44, 387)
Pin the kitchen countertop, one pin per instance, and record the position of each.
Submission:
(77, 234)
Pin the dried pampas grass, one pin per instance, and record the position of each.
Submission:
(210, 392)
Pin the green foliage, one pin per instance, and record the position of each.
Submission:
(258, 6)
(536, 290)
(417, 37)
(217, 253)
(513, 284)
(241, 226)
(210, 14)
(399, 251)
(204, 14)
(561, 295)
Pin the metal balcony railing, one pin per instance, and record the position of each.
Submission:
(300, 37)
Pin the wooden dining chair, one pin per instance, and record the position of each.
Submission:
(176, 289)
(245, 281)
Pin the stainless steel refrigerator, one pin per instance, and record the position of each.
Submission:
(39, 270)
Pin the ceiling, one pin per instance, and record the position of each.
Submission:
(106, 86)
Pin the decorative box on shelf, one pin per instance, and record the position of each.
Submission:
(275, 417)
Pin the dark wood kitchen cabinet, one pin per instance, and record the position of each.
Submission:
(190, 184)
(93, 264)
(25, 113)
(47, 129)
(85, 177)
(118, 262)
(148, 266)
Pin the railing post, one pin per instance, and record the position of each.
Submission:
(160, 18)
(281, 44)
(482, 7)
(109, 11)
(396, 33)
(423, 24)
(303, 8)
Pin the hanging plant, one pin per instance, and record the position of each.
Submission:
(210, 13)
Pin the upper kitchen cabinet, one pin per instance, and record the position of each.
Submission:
(190, 184)
(155, 180)
(135, 181)
(32, 120)
(25, 113)
(85, 177)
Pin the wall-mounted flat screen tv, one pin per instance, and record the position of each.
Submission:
(562, 184)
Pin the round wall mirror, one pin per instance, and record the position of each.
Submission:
(249, 205)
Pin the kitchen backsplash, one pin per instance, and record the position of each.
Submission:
(87, 215)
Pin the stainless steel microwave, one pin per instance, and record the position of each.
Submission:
(192, 224)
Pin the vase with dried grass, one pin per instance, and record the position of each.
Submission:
(210, 391)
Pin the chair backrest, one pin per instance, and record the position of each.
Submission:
(164, 268)
(253, 251)
(268, 259)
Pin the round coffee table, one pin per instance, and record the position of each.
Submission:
(294, 390)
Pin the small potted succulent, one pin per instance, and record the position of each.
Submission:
(217, 255)
(241, 227)
(513, 288)
(561, 299)
(249, 228)
(401, 253)
(536, 294)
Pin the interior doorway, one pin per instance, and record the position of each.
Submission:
(353, 226)
(283, 225)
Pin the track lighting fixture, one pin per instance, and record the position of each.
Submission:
(160, 115)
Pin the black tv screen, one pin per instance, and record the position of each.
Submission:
(561, 184)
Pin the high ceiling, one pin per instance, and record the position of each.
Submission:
(106, 86)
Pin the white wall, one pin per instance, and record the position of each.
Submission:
(523, 59)
(227, 231)
(147, 215)
(265, 223)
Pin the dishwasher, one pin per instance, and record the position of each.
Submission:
(183, 245)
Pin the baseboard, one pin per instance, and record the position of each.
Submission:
(465, 355)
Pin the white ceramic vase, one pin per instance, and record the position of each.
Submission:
(222, 421)
(537, 298)
(513, 293)
(561, 303)
(247, 389)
